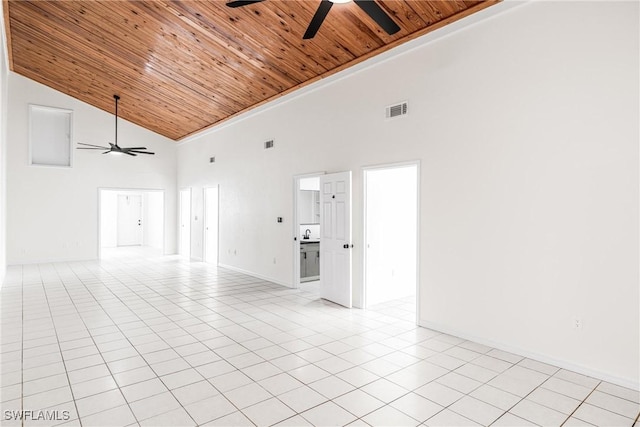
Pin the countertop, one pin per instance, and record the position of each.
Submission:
(303, 241)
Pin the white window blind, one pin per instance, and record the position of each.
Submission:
(50, 136)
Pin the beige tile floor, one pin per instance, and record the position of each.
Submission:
(158, 341)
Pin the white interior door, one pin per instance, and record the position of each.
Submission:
(211, 225)
(129, 220)
(335, 241)
(185, 223)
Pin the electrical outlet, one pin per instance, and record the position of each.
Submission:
(577, 323)
(235, 252)
(274, 260)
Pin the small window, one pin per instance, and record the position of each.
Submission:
(50, 136)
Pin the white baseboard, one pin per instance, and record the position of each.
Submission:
(564, 364)
(256, 275)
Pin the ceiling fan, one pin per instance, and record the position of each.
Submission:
(370, 7)
(115, 148)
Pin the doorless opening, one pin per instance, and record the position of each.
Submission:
(391, 237)
(130, 218)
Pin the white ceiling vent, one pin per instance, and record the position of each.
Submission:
(268, 144)
(397, 110)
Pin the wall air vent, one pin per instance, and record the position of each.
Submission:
(397, 110)
(212, 159)
(268, 144)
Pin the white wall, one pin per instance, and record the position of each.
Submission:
(52, 213)
(4, 72)
(153, 221)
(526, 126)
(108, 219)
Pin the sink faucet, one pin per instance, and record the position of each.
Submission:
(307, 234)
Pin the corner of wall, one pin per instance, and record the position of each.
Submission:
(4, 73)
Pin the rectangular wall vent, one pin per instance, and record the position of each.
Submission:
(397, 110)
(268, 144)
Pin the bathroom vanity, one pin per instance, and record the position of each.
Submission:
(309, 260)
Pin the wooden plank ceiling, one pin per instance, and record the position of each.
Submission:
(183, 66)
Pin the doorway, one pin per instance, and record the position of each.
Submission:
(130, 223)
(306, 259)
(184, 247)
(211, 225)
(391, 238)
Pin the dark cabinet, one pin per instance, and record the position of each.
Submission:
(309, 261)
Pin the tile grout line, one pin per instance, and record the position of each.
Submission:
(55, 329)
(252, 308)
(91, 336)
(102, 357)
(143, 321)
(580, 404)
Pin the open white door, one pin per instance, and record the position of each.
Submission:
(211, 225)
(129, 220)
(335, 243)
(185, 223)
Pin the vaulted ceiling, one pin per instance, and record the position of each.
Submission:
(183, 66)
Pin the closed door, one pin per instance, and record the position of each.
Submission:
(129, 220)
(211, 225)
(185, 223)
(335, 243)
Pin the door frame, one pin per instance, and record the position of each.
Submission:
(296, 226)
(366, 169)
(190, 190)
(138, 190)
(204, 227)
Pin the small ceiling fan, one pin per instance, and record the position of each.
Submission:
(370, 7)
(115, 148)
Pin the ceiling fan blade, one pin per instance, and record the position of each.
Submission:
(318, 19)
(129, 153)
(141, 152)
(377, 14)
(92, 145)
(134, 148)
(240, 3)
(91, 148)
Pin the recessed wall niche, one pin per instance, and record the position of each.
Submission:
(50, 139)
